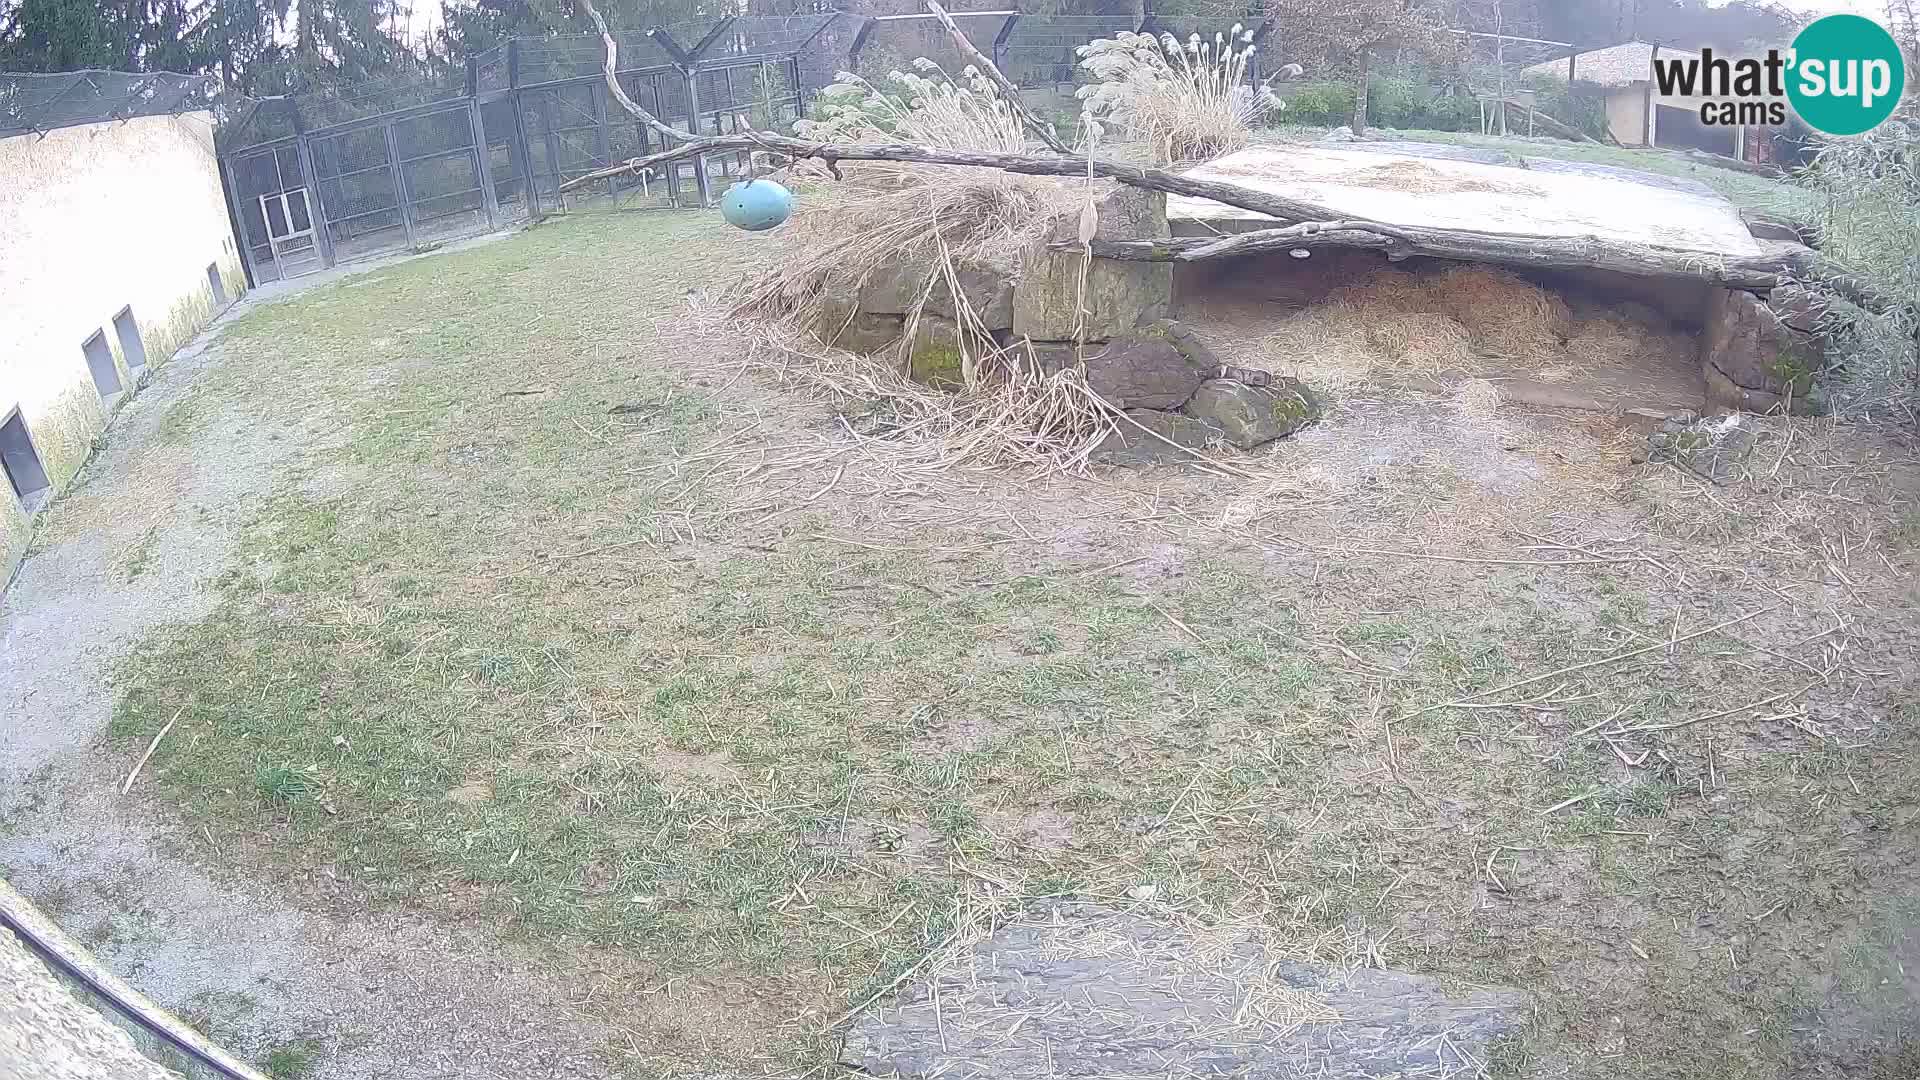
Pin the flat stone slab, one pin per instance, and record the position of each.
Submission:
(1616, 172)
(1083, 990)
(1406, 189)
(1438, 151)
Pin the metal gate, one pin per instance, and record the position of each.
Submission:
(276, 215)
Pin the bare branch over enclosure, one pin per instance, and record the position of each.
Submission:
(613, 83)
(1763, 272)
(1008, 91)
(1276, 206)
(1299, 224)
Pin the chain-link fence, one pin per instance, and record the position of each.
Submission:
(34, 104)
(318, 179)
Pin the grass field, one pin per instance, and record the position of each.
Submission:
(580, 626)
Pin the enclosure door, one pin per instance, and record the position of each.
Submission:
(289, 220)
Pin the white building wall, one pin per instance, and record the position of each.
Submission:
(1627, 114)
(94, 219)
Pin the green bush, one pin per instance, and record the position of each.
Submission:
(1328, 103)
(1868, 191)
(1393, 101)
(1581, 105)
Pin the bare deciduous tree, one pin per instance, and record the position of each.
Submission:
(1354, 31)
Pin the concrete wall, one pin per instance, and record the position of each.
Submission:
(94, 219)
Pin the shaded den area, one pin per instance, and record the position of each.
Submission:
(1576, 340)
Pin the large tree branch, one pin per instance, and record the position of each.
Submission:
(1308, 225)
(1007, 90)
(1551, 125)
(1760, 272)
(1300, 224)
(613, 83)
(1272, 205)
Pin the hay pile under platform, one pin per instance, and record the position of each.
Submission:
(1585, 339)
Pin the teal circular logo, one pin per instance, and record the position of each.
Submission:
(1846, 74)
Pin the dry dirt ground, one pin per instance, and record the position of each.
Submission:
(554, 693)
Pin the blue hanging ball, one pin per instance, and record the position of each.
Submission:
(756, 205)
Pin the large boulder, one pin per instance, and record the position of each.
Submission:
(934, 356)
(987, 289)
(1119, 295)
(1157, 366)
(1248, 416)
(1756, 360)
(894, 287)
(1714, 448)
(842, 323)
(1154, 438)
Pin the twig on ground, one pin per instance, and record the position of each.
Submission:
(1178, 625)
(1177, 800)
(1602, 662)
(1716, 715)
(151, 747)
(1564, 803)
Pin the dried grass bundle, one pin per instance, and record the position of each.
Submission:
(888, 214)
(1422, 341)
(1188, 101)
(1476, 399)
(1430, 322)
(884, 215)
(1048, 423)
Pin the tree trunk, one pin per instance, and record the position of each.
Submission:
(1760, 273)
(1359, 124)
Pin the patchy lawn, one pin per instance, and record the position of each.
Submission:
(578, 627)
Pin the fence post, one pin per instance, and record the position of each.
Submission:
(400, 193)
(706, 42)
(483, 163)
(602, 144)
(316, 204)
(519, 149)
(238, 222)
(700, 182)
(1000, 41)
(552, 142)
(860, 42)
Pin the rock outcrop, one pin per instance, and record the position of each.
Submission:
(1249, 416)
(1757, 357)
(1119, 296)
(1174, 389)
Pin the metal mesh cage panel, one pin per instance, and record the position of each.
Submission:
(1040, 50)
(31, 103)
